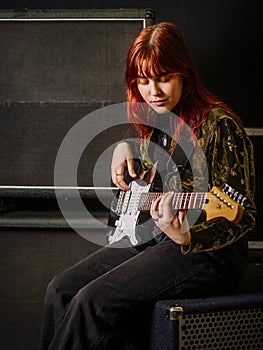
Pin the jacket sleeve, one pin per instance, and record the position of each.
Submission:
(229, 154)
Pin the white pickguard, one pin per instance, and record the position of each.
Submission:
(126, 225)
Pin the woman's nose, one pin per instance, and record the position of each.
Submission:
(155, 89)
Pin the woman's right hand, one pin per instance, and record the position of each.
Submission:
(122, 158)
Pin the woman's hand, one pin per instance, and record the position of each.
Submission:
(174, 226)
(122, 158)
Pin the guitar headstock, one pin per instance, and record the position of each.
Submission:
(225, 202)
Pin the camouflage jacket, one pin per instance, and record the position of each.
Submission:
(224, 155)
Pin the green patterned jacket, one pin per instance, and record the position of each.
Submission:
(229, 159)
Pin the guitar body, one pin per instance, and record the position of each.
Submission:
(127, 223)
(132, 209)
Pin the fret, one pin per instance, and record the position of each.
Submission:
(177, 202)
(192, 201)
(202, 198)
(186, 201)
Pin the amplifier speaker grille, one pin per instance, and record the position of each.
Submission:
(228, 330)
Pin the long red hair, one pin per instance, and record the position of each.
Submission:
(161, 48)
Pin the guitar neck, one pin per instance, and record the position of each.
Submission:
(181, 200)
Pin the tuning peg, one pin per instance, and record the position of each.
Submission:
(229, 190)
(240, 197)
(243, 201)
(226, 188)
(235, 195)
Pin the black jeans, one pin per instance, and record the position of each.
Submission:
(89, 305)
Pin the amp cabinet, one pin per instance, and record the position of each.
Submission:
(210, 323)
(229, 322)
(58, 67)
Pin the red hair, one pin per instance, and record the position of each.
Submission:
(160, 48)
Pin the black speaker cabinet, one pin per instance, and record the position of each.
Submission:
(229, 322)
(56, 68)
(209, 323)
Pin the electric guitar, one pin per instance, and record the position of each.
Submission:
(226, 203)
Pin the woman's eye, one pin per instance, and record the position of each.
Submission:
(164, 78)
(143, 81)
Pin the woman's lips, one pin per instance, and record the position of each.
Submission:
(159, 102)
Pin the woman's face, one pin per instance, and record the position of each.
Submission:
(161, 92)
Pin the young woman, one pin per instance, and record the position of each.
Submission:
(89, 305)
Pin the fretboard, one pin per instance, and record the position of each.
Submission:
(182, 200)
